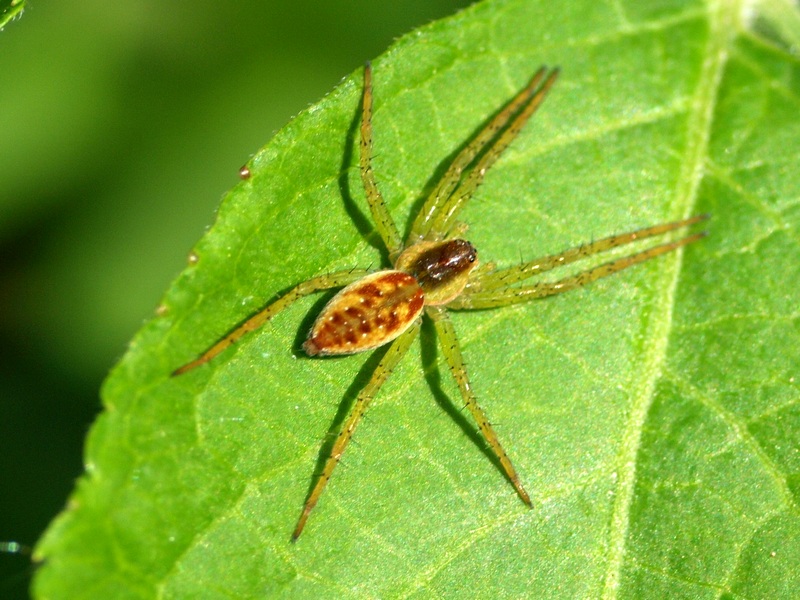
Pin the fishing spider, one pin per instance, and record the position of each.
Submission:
(432, 272)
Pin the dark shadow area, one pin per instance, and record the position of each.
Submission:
(300, 336)
(362, 222)
(16, 573)
(46, 408)
(346, 404)
(45, 417)
(445, 163)
(428, 354)
(308, 322)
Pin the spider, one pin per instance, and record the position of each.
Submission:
(432, 272)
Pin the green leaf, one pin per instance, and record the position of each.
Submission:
(779, 20)
(10, 9)
(654, 416)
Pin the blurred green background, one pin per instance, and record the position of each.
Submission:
(121, 126)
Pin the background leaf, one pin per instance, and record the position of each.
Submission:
(653, 416)
(10, 9)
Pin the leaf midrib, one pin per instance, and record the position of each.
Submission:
(722, 17)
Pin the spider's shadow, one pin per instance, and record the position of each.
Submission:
(428, 354)
(345, 405)
(428, 341)
(363, 224)
(444, 164)
(361, 220)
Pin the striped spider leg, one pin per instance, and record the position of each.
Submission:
(491, 289)
(432, 271)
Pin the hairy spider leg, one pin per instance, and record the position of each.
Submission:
(449, 181)
(515, 295)
(505, 277)
(315, 284)
(380, 213)
(444, 219)
(385, 367)
(452, 352)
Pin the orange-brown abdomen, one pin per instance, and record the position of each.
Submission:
(366, 314)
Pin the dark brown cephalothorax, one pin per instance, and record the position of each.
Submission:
(441, 268)
(434, 272)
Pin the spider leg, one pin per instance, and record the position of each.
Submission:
(316, 284)
(452, 352)
(380, 214)
(448, 210)
(505, 277)
(516, 295)
(389, 361)
(449, 181)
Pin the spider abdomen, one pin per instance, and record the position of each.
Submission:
(366, 314)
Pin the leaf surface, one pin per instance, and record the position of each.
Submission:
(653, 416)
